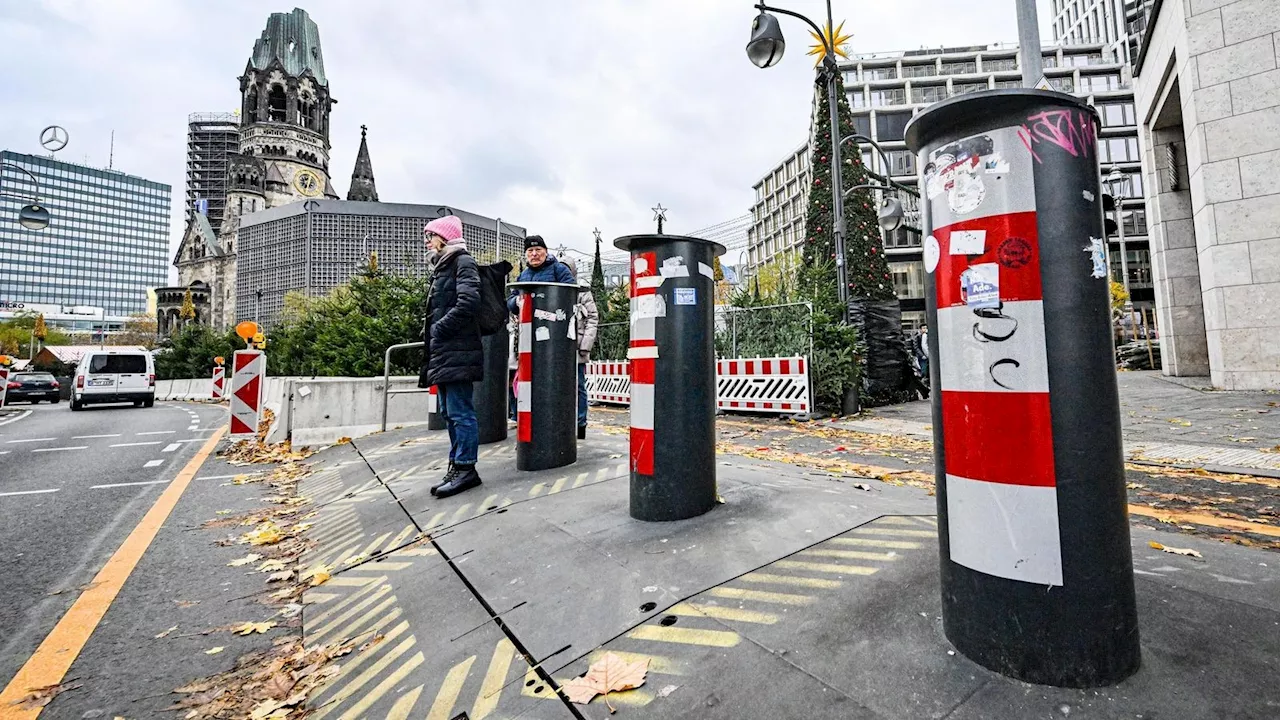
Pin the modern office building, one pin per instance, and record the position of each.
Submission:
(288, 249)
(106, 244)
(778, 215)
(886, 89)
(212, 138)
(1208, 105)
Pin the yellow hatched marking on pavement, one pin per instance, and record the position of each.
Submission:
(536, 490)
(348, 553)
(872, 542)
(558, 486)
(403, 706)
(685, 636)
(357, 710)
(901, 532)
(491, 688)
(505, 502)
(395, 542)
(350, 612)
(851, 554)
(724, 613)
(350, 628)
(319, 598)
(343, 528)
(460, 513)
(352, 581)
(353, 597)
(582, 477)
(660, 664)
(422, 550)
(381, 566)
(434, 521)
(374, 670)
(488, 503)
(349, 668)
(442, 707)
(895, 520)
(760, 596)
(825, 567)
(930, 521)
(368, 549)
(603, 474)
(793, 580)
(336, 546)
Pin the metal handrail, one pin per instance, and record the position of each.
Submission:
(386, 378)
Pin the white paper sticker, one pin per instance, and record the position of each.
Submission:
(932, 253)
(649, 306)
(545, 315)
(641, 265)
(673, 267)
(968, 242)
(686, 296)
(994, 164)
(980, 285)
(542, 333)
(650, 281)
(1098, 254)
(1088, 196)
(706, 269)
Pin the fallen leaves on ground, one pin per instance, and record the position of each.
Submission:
(317, 575)
(166, 632)
(608, 674)
(214, 650)
(268, 533)
(37, 698)
(1175, 551)
(241, 562)
(834, 466)
(272, 684)
(250, 628)
(273, 565)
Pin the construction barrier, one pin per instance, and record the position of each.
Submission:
(248, 372)
(764, 385)
(218, 380)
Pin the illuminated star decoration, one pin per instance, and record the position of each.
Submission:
(837, 39)
(659, 214)
(596, 232)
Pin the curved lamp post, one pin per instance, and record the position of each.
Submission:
(32, 216)
(765, 48)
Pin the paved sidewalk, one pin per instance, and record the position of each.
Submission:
(806, 594)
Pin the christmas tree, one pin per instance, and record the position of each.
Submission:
(188, 310)
(597, 272)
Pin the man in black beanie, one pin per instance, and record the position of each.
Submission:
(540, 266)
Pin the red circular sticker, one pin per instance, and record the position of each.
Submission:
(1014, 253)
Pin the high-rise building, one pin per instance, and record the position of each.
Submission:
(778, 215)
(211, 140)
(886, 90)
(106, 243)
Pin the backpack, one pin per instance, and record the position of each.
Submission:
(493, 300)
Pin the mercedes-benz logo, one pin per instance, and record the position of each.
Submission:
(53, 138)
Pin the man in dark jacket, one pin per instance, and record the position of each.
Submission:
(453, 357)
(541, 267)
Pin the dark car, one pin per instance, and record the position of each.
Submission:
(32, 387)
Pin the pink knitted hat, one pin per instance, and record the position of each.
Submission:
(448, 227)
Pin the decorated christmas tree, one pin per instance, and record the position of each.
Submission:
(597, 273)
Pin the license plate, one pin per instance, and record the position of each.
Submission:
(99, 382)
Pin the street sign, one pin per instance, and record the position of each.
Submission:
(1043, 84)
(219, 381)
(248, 375)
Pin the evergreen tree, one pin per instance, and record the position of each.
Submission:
(597, 273)
(188, 309)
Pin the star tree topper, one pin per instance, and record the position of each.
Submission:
(837, 39)
(660, 214)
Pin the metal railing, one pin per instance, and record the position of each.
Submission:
(386, 378)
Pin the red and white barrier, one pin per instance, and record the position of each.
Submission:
(764, 385)
(645, 280)
(433, 400)
(248, 375)
(524, 373)
(219, 382)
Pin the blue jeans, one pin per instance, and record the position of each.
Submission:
(460, 417)
(582, 394)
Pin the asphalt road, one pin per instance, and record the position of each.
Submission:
(72, 487)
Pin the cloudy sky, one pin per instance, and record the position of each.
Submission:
(559, 115)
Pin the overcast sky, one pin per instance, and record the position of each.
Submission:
(558, 115)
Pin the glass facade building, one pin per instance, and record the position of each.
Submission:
(107, 242)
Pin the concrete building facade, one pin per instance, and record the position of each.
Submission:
(1208, 101)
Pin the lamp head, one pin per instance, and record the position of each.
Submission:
(766, 45)
(33, 217)
(890, 213)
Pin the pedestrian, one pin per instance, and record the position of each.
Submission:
(453, 356)
(586, 321)
(513, 366)
(540, 266)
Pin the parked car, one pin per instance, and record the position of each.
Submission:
(32, 387)
(113, 376)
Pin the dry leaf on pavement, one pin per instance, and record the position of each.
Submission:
(608, 674)
(280, 576)
(41, 696)
(272, 566)
(318, 575)
(214, 651)
(1188, 552)
(250, 628)
(268, 533)
(166, 632)
(250, 558)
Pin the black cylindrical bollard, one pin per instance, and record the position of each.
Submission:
(673, 375)
(491, 392)
(435, 418)
(1036, 570)
(547, 377)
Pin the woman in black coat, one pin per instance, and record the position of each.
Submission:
(453, 356)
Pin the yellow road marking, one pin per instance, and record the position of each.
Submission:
(660, 664)
(458, 515)
(368, 549)
(581, 479)
(353, 597)
(381, 566)
(896, 531)
(434, 521)
(851, 554)
(759, 577)
(351, 611)
(488, 503)
(825, 567)
(559, 485)
(897, 520)
(536, 490)
(491, 688)
(345, 527)
(338, 547)
(417, 551)
(319, 598)
(442, 708)
(48, 665)
(348, 553)
(381, 689)
(871, 542)
(352, 581)
(505, 502)
(395, 542)
(350, 628)
(403, 706)
(927, 520)
(760, 596)
(685, 636)
(724, 613)
(374, 670)
(350, 666)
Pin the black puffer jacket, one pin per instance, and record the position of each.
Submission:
(451, 333)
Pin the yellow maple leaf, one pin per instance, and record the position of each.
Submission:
(268, 533)
(271, 566)
(250, 558)
(608, 674)
(250, 628)
(317, 575)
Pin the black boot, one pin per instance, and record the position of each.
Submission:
(582, 432)
(453, 470)
(465, 477)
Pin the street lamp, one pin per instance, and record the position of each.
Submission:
(765, 49)
(32, 216)
(1119, 184)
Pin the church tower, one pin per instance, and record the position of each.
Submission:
(362, 185)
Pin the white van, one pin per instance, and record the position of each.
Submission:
(115, 376)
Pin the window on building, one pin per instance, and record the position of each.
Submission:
(277, 104)
(880, 73)
(966, 67)
(891, 126)
(1063, 84)
(1135, 221)
(910, 71)
(857, 98)
(928, 93)
(1117, 114)
(891, 96)
(1049, 61)
(1099, 83)
(999, 64)
(965, 88)
(902, 238)
(1001, 84)
(862, 125)
(1116, 150)
(902, 162)
(908, 278)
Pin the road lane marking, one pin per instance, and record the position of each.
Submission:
(153, 463)
(128, 484)
(724, 613)
(48, 665)
(11, 442)
(400, 711)
(851, 554)
(825, 567)
(74, 447)
(869, 542)
(685, 636)
(760, 596)
(94, 437)
(358, 710)
(5, 452)
(157, 432)
(896, 531)
(442, 708)
(499, 665)
(16, 418)
(171, 447)
(363, 679)
(797, 581)
(29, 492)
(136, 444)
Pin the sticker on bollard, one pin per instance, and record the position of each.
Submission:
(1037, 577)
(673, 375)
(546, 377)
(248, 374)
(219, 380)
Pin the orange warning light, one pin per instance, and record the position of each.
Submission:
(219, 360)
(246, 330)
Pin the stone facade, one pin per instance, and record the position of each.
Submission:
(1208, 95)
